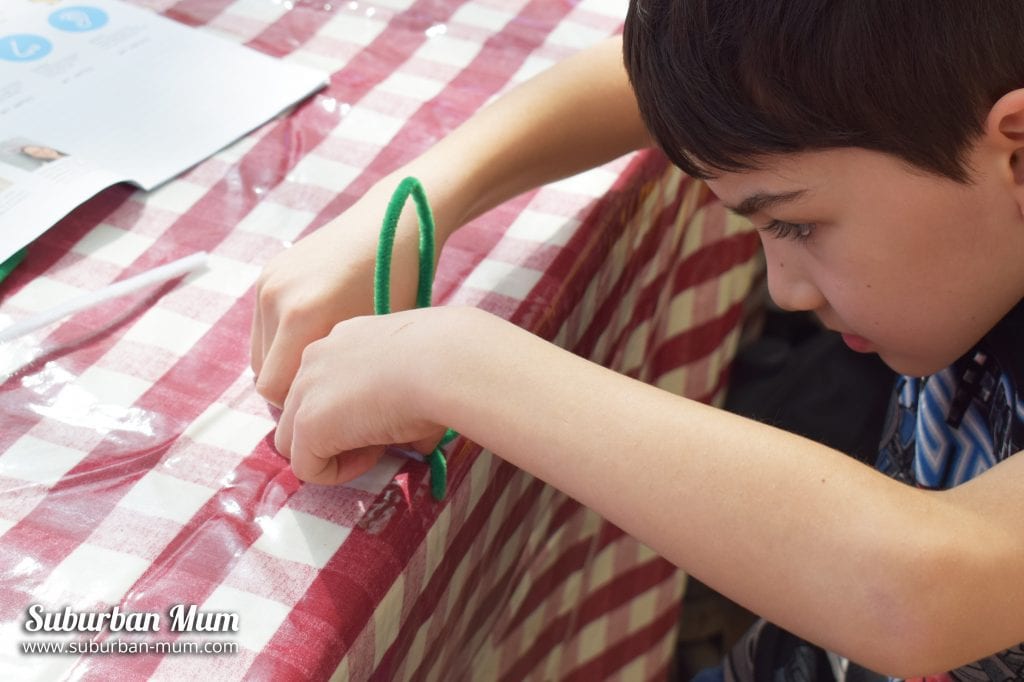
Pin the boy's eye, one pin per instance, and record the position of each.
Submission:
(783, 230)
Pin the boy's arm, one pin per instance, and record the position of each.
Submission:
(901, 580)
(577, 115)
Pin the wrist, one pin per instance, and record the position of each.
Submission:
(453, 352)
(449, 192)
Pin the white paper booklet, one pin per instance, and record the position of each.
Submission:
(97, 92)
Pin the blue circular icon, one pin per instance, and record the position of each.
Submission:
(78, 19)
(24, 47)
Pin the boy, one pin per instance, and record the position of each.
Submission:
(877, 146)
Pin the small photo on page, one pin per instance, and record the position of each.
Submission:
(28, 155)
(4, 184)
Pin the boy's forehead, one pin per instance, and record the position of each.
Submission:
(751, 191)
(792, 178)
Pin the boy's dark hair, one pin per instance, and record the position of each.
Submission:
(721, 83)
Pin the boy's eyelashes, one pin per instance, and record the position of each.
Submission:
(780, 229)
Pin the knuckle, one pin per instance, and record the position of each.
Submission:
(266, 391)
(308, 354)
(268, 287)
(269, 388)
(282, 445)
(311, 469)
(306, 424)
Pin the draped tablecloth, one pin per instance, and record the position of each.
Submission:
(137, 471)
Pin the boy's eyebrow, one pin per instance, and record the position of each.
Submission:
(760, 201)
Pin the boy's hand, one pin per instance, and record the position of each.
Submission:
(325, 278)
(365, 386)
(579, 114)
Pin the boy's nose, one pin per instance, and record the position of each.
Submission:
(790, 288)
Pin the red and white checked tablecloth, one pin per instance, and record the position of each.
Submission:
(135, 465)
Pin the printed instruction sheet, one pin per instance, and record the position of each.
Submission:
(97, 92)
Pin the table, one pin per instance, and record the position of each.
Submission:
(136, 461)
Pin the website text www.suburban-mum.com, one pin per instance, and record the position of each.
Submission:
(182, 619)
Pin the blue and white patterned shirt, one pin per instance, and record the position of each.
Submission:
(950, 427)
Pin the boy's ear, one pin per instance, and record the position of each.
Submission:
(1004, 128)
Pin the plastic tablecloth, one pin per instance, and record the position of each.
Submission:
(137, 473)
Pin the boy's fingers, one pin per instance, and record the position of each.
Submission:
(283, 434)
(279, 368)
(283, 345)
(336, 468)
(256, 344)
(315, 470)
(353, 464)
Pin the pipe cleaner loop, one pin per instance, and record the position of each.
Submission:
(382, 291)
